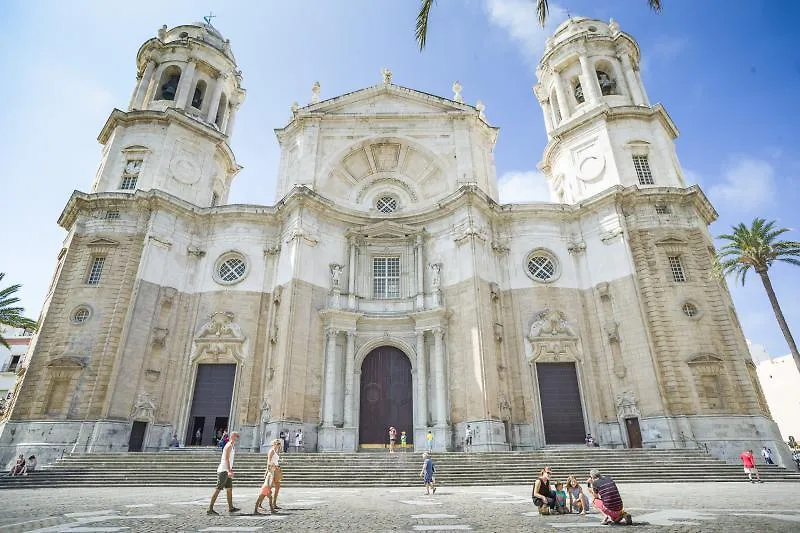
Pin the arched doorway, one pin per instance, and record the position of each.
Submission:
(386, 396)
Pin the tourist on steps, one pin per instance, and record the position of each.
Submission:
(19, 467)
(766, 453)
(606, 499)
(542, 494)
(392, 438)
(428, 471)
(273, 469)
(225, 475)
(468, 439)
(749, 463)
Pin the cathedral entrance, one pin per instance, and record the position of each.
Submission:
(386, 397)
(211, 402)
(560, 399)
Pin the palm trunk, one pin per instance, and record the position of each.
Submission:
(779, 315)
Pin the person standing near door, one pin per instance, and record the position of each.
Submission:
(392, 438)
(286, 441)
(225, 475)
(198, 437)
(468, 439)
(429, 440)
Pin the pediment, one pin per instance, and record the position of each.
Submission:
(671, 241)
(705, 359)
(67, 362)
(386, 229)
(102, 242)
(387, 99)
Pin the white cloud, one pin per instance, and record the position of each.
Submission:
(748, 185)
(518, 18)
(520, 187)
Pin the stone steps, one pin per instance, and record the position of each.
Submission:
(193, 467)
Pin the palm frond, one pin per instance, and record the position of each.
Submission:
(422, 22)
(542, 10)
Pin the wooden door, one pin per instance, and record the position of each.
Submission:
(213, 392)
(137, 436)
(634, 432)
(386, 396)
(560, 398)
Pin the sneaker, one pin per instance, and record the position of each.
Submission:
(628, 519)
(434, 490)
(760, 481)
(212, 512)
(234, 510)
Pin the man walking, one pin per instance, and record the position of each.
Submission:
(225, 475)
(749, 463)
(468, 439)
(606, 499)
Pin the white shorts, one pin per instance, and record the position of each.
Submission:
(753, 470)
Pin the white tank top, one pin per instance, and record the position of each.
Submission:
(276, 459)
(222, 466)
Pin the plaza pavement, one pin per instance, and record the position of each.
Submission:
(685, 507)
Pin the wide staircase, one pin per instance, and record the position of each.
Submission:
(198, 467)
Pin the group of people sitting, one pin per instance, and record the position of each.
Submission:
(561, 498)
(23, 467)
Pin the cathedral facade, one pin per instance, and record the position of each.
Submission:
(388, 286)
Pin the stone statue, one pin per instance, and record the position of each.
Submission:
(162, 32)
(336, 275)
(613, 26)
(457, 92)
(315, 92)
(481, 107)
(266, 410)
(143, 407)
(387, 76)
(436, 276)
(220, 325)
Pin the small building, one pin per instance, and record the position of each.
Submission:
(11, 361)
(780, 380)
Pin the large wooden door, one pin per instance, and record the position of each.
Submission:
(386, 396)
(213, 391)
(634, 432)
(560, 399)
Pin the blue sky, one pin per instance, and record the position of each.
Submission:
(728, 77)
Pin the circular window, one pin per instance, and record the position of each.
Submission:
(542, 266)
(80, 315)
(386, 204)
(690, 310)
(183, 35)
(230, 268)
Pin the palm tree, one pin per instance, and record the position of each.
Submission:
(757, 248)
(542, 9)
(12, 316)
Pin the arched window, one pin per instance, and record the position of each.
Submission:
(556, 110)
(199, 94)
(223, 105)
(607, 84)
(168, 85)
(578, 91)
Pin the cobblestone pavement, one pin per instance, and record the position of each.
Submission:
(684, 508)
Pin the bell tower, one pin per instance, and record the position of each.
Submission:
(174, 137)
(602, 130)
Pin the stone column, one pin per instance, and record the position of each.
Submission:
(622, 82)
(548, 115)
(591, 89)
(441, 383)
(562, 97)
(351, 276)
(422, 381)
(420, 272)
(231, 119)
(144, 84)
(185, 85)
(330, 377)
(349, 374)
(630, 77)
(214, 106)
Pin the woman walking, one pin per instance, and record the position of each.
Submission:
(272, 480)
(428, 470)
